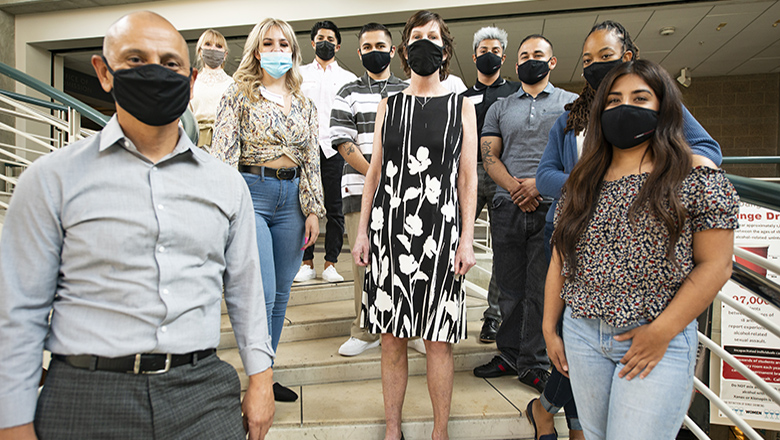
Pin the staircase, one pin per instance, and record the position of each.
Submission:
(341, 398)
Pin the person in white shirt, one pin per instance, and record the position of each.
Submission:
(454, 84)
(211, 83)
(322, 79)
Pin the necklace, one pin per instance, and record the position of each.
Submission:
(425, 100)
(381, 91)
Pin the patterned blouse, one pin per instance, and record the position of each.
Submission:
(623, 274)
(249, 133)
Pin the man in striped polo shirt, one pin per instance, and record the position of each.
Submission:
(352, 134)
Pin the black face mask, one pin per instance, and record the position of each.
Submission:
(533, 71)
(627, 126)
(424, 57)
(151, 93)
(375, 61)
(596, 72)
(488, 63)
(325, 50)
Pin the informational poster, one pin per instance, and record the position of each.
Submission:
(752, 344)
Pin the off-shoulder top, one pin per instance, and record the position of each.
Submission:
(252, 132)
(623, 274)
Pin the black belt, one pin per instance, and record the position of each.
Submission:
(279, 173)
(153, 363)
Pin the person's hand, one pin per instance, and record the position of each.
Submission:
(648, 346)
(258, 405)
(360, 250)
(312, 231)
(556, 352)
(464, 258)
(21, 432)
(525, 195)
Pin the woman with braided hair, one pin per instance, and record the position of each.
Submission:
(607, 45)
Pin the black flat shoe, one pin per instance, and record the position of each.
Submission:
(495, 368)
(284, 394)
(529, 413)
(489, 331)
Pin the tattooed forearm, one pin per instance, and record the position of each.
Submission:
(487, 156)
(349, 148)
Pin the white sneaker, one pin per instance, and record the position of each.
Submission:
(305, 273)
(330, 275)
(355, 346)
(417, 345)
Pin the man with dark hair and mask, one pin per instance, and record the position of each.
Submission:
(512, 141)
(489, 46)
(321, 80)
(108, 261)
(352, 134)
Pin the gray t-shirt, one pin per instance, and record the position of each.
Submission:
(523, 123)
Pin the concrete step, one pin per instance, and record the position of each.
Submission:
(481, 409)
(325, 320)
(317, 361)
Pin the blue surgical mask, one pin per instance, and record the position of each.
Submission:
(276, 64)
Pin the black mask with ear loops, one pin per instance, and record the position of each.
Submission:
(627, 126)
(488, 63)
(375, 61)
(596, 72)
(151, 93)
(424, 57)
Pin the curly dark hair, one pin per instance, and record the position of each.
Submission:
(579, 109)
(421, 18)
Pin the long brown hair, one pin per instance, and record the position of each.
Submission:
(659, 194)
(421, 18)
(580, 108)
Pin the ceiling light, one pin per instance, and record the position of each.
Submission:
(667, 30)
(721, 26)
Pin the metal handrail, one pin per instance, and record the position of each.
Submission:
(752, 160)
(759, 285)
(34, 101)
(57, 95)
(759, 193)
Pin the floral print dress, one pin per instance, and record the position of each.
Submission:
(410, 287)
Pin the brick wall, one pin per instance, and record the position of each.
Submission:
(742, 113)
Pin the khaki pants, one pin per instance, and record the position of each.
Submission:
(351, 222)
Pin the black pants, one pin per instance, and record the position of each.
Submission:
(331, 170)
(188, 402)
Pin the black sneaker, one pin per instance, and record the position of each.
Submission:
(489, 330)
(495, 368)
(284, 394)
(535, 378)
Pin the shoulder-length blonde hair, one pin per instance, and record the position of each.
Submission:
(214, 37)
(249, 75)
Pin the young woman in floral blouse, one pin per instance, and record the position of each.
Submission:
(268, 129)
(642, 244)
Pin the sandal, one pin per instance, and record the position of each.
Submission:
(529, 414)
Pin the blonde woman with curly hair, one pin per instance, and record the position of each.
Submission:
(268, 129)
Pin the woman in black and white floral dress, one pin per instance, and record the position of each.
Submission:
(417, 221)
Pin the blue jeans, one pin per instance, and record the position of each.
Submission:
(280, 227)
(520, 269)
(612, 408)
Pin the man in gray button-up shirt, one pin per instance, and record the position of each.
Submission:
(128, 237)
(513, 139)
